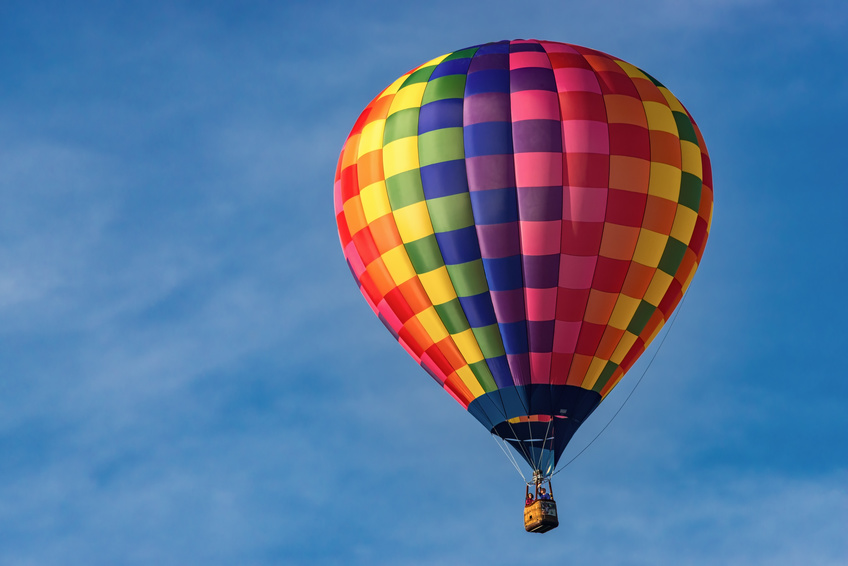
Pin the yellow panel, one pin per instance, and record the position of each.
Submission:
(438, 285)
(593, 373)
(470, 380)
(650, 247)
(664, 181)
(408, 97)
(401, 155)
(467, 344)
(623, 347)
(660, 117)
(659, 285)
(622, 314)
(413, 222)
(371, 137)
(631, 71)
(672, 100)
(398, 264)
(684, 223)
(375, 201)
(691, 158)
(432, 324)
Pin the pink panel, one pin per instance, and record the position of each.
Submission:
(540, 367)
(538, 169)
(557, 47)
(529, 59)
(352, 256)
(585, 136)
(337, 197)
(534, 105)
(412, 353)
(584, 204)
(389, 315)
(576, 272)
(540, 303)
(540, 237)
(565, 336)
(576, 79)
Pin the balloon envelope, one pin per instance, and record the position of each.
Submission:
(524, 216)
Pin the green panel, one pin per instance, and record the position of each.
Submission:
(405, 189)
(422, 75)
(684, 127)
(424, 254)
(690, 191)
(401, 124)
(462, 54)
(605, 376)
(452, 316)
(452, 212)
(468, 278)
(653, 80)
(441, 145)
(672, 256)
(449, 86)
(641, 318)
(489, 340)
(484, 376)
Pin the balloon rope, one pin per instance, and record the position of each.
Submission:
(509, 455)
(657, 351)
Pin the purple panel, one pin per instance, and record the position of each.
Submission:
(541, 271)
(537, 135)
(541, 335)
(532, 78)
(540, 203)
(499, 240)
(490, 172)
(485, 107)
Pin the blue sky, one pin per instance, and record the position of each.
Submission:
(188, 374)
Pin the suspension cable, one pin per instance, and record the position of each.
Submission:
(509, 455)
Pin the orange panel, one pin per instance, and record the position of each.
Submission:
(665, 148)
(659, 214)
(638, 279)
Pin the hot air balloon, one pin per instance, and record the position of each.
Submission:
(524, 216)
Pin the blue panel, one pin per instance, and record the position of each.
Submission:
(500, 371)
(444, 179)
(514, 336)
(503, 273)
(478, 310)
(451, 67)
(495, 206)
(488, 138)
(487, 80)
(440, 114)
(459, 246)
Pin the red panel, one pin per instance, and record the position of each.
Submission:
(571, 304)
(626, 207)
(630, 140)
(581, 238)
(610, 274)
(590, 337)
(582, 105)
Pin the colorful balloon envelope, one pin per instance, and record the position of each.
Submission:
(524, 216)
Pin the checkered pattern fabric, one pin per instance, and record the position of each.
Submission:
(524, 213)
